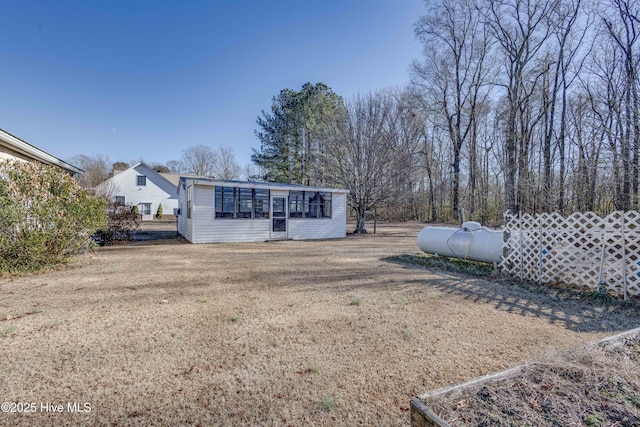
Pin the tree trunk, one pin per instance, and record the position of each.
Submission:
(361, 227)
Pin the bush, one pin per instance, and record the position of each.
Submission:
(159, 213)
(45, 216)
(121, 221)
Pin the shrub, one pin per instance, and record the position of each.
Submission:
(121, 221)
(45, 216)
(159, 213)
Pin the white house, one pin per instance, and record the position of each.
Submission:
(14, 148)
(143, 187)
(213, 210)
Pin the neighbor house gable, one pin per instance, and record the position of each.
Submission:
(141, 186)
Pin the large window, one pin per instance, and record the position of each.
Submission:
(225, 202)
(120, 200)
(309, 204)
(141, 180)
(245, 202)
(296, 203)
(261, 203)
(236, 202)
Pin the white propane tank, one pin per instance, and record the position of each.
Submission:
(471, 241)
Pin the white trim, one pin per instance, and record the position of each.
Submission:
(26, 149)
(279, 235)
(265, 185)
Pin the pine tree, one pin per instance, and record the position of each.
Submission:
(293, 134)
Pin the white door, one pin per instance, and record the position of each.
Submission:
(279, 216)
(145, 211)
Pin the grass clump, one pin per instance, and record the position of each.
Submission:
(9, 331)
(407, 334)
(601, 295)
(313, 369)
(236, 318)
(356, 301)
(454, 265)
(328, 402)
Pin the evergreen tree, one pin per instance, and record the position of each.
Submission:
(293, 135)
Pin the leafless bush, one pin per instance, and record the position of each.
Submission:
(122, 221)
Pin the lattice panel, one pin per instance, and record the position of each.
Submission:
(581, 249)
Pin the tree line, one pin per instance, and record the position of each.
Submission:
(521, 105)
(198, 160)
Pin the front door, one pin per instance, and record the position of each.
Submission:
(145, 211)
(279, 217)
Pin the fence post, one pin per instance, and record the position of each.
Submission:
(540, 246)
(624, 258)
(521, 248)
(604, 243)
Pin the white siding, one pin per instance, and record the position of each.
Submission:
(8, 154)
(204, 227)
(327, 228)
(158, 189)
(208, 228)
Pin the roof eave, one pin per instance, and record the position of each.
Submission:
(24, 148)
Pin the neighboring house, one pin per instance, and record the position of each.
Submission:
(143, 187)
(213, 210)
(14, 148)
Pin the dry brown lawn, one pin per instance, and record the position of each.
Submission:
(278, 333)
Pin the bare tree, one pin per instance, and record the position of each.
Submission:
(199, 160)
(521, 28)
(361, 154)
(252, 172)
(96, 169)
(622, 24)
(226, 166)
(175, 167)
(453, 75)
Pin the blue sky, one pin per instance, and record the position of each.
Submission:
(145, 79)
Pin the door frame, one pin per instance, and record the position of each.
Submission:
(144, 217)
(276, 235)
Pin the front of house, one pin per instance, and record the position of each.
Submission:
(213, 210)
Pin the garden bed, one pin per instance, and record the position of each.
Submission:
(594, 385)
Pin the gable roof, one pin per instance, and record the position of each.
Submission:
(175, 178)
(22, 147)
(133, 167)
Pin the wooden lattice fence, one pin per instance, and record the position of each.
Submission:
(581, 249)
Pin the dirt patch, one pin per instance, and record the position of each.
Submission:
(276, 333)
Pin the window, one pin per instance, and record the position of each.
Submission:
(120, 200)
(236, 202)
(261, 203)
(317, 204)
(245, 202)
(225, 202)
(189, 200)
(142, 180)
(296, 199)
(325, 208)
